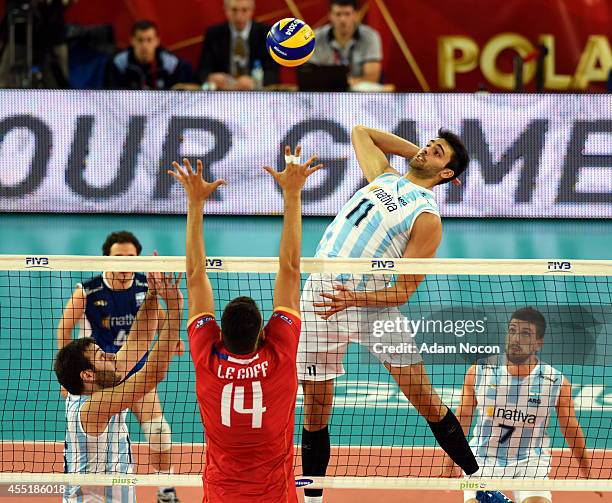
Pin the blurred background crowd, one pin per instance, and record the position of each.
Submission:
(374, 45)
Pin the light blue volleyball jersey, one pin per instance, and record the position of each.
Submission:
(513, 413)
(110, 452)
(377, 220)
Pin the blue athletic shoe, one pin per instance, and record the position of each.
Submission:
(491, 497)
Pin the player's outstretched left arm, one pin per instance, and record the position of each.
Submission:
(291, 180)
(571, 430)
(199, 290)
(425, 238)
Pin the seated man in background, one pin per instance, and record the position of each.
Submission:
(146, 65)
(346, 42)
(233, 49)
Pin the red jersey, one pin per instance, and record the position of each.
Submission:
(247, 403)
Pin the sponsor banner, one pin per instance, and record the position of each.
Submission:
(103, 151)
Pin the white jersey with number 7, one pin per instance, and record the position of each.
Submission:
(513, 413)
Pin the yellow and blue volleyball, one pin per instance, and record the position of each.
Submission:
(290, 42)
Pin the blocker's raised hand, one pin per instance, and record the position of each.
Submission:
(294, 176)
(196, 188)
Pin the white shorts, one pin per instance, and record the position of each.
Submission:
(323, 343)
(532, 468)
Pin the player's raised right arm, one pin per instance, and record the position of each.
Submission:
(291, 181)
(371, 146)
(73, 312)
(199, 290)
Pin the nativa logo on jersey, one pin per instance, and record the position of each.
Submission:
(384, 197)
(118, 321)
(511, 415)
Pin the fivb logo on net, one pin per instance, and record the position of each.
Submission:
(37, 263)
(214, 263)
(559, 266)
(383, 265)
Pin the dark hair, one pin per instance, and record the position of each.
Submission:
(531, 315)
(343, 3)
(460, 158)
(70, 362)
(240, 325)
(120, 237)
(143, 25)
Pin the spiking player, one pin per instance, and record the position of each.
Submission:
(393, 216)
(105, 306)
(514, 399)
(246, 372)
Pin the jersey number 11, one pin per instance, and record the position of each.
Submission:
(233, 398)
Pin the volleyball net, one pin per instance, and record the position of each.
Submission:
(457, 318)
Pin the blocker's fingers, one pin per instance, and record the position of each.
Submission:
(310, 161)
(217, 183)
(199, 167)
(272, 171)
(179, 168)
(298, 151)
(310, 171)
(287, 150)
(175, 175)
(187, 164)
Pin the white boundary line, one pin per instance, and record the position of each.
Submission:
(540, 267)
(362, 482)
(423, 483)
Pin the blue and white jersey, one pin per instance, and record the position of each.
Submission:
(377, 220)
(109, 313)
(109, 452)
(513, 413)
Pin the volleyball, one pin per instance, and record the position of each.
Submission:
(290, 42)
